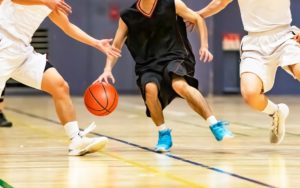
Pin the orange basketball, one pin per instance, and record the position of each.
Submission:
(101, 98)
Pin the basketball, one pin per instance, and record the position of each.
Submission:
(101, 98)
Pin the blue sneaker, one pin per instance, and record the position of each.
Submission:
(164, 143)
(220, 131)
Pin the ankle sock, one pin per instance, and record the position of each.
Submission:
(72, 129)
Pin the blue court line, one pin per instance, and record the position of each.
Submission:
(151, 150)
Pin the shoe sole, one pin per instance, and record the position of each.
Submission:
(285, 115)
(227, 137)
(92, 148)
(6, 125)
(162, 150)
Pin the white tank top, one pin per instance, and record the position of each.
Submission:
(265, 15)
(22, 21)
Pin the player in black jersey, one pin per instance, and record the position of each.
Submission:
(155, 35)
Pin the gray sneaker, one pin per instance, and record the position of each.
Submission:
(82, 145)
(278, 126)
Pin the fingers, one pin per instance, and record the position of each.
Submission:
(109, 78)
(64, 7)
(205, 56)
(112, 79)
(114, 52)
(106, 78)
(202, 55)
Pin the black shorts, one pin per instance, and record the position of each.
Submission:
(163, 80)
(48, 66)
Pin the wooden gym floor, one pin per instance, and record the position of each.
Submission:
(33, 153)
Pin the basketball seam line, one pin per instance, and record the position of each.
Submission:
(105, 97)
(97, 100)
(115, 96)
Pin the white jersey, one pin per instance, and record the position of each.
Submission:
(265, 15)
(22, 21)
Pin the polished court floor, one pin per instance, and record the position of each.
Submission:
(33, 153)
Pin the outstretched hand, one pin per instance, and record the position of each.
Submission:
(297, 37)
(60, 5)
(205, 55)
(105, 47)
(106, 76)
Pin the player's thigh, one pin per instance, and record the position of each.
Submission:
(290, 58)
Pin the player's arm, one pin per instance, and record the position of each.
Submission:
(52, 4)
(183, 11)
(62, 21)
(213, 7)
(119, 40)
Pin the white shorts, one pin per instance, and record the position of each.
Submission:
(262, 53)
(20, 62)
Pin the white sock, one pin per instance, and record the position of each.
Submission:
(211, 120)
(162, 127)
(72, 129)
(271, 108)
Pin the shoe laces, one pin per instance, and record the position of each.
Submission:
(163, 137)
(221, 126)
(223, 123)
(275, 123)
(87, 130)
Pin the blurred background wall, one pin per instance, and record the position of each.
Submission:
(81, 65)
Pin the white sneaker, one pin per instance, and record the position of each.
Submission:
(278, 126)
(82, 145)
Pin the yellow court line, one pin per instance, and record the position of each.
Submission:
(155, 170)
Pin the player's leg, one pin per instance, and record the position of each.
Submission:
(3, 121)
(197, 102)
(296, 70)
(54, 84)
(259, 63)
(153, 104)
(155, 99)
(38, 73)
(57, 87)
(252, 92)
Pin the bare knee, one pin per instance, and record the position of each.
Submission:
(180, 86)
(54, 84)
(151, 92)
(60, 89)
(250, 93)
(251, 87)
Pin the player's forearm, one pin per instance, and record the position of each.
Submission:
(213, 8)
(110, 60)
(76, 33)
(31, 2)
(110, 63)
(203, 36)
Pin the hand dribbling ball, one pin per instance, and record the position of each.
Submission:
(101, 98)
